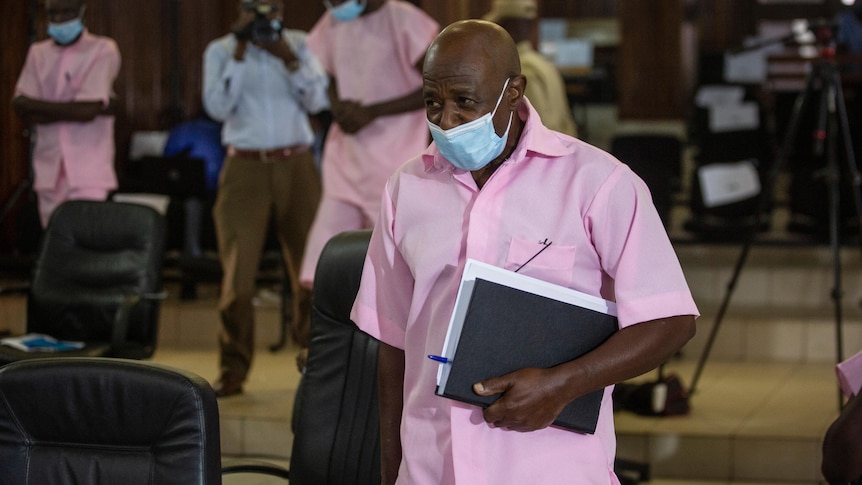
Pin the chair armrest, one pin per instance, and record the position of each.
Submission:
(121, 318)
(245, 465)
(21, 289)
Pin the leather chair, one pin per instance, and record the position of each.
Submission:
(336, 417)
(97, 280)
(337, 426)
(99, 420)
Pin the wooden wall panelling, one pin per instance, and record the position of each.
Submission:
(14, 137)
(162, 57)
(724, 24)
(579, 9)
(651, 80)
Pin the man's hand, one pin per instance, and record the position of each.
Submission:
(530, 399)
(37, 111)
(241, 24)
(283, 51)
(352, 116)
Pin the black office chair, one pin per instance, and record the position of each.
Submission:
(336, 418)
(97, 280)
(100, 420)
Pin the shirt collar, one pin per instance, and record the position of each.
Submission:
(535, 138)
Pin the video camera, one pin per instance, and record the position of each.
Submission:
(261, 29)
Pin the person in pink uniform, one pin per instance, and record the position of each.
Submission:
(65, 89)
(373, 53)
(497, 186)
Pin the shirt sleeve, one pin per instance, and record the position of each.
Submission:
(223, 77)
(636, 252)
(98, 82)
(382, 305)
(28, 80)
(316, 42)
(418, 31)
(310, 81)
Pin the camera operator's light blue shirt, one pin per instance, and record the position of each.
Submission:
(263, 104)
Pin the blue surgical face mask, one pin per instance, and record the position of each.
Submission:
(65, 33)
(472, 145)
(347, 11)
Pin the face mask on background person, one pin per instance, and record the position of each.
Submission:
(347, 11)
(472, 145)
(64, 33)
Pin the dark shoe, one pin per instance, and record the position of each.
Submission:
(227, 386)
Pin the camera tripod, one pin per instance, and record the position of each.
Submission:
(823, 78)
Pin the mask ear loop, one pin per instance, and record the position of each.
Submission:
(506, 85)
(511, 113)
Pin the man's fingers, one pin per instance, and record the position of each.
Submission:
(490, 387)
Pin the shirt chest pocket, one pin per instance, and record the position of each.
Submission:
(553, 263)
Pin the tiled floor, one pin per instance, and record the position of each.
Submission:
(751, 421)
(748, 421)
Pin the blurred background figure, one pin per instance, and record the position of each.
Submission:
(545, 87)
(373, 52)
(262, 82)
(198, 138)
(66, 90)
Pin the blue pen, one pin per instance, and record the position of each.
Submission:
(440, 358)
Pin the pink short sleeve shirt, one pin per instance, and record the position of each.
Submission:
(607, 240)
(373, 59)
(83, 71)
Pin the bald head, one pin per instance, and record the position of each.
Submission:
(475, 42)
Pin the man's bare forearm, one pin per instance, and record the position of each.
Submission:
(39, 111)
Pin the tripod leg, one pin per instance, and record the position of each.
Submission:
(834, 187)
(853, 171)
(764, 199)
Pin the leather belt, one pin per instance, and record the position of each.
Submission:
(268, 155)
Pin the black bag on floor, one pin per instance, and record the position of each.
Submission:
(666, 396)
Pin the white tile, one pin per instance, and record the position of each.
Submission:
(704, 284)
(267, 438)
(820, 344)
(776, 460)
(231, 436)
(775, 340)
(691, 457)
(729, 341)
(795, 287)
(753, 286)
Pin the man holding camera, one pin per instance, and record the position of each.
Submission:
(262, 82)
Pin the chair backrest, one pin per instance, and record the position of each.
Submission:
(98, 420)
(92, 256)
(337, 421)
(657, 159)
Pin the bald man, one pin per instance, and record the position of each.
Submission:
(65, 90)
(492, 190)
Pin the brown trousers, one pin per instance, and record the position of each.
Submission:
(250, 191)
